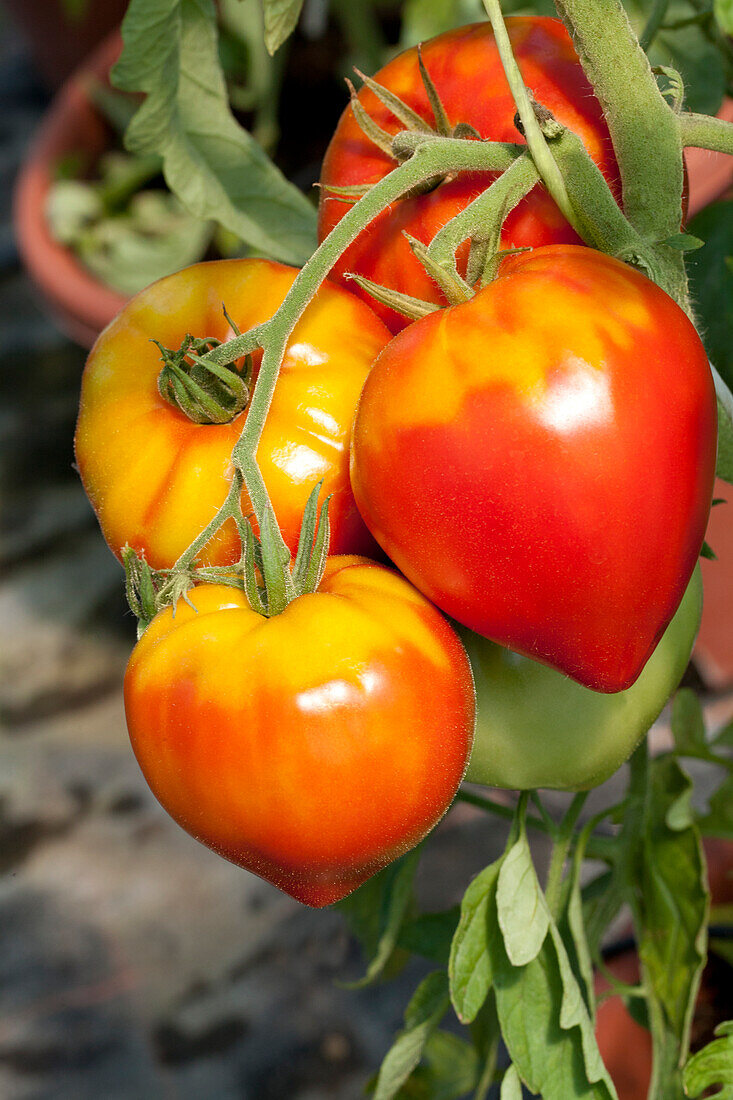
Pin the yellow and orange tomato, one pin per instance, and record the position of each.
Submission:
(311, 748)
(156, 479)
(539, 461)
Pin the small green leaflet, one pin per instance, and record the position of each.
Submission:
(523, 915)
(724, 14)
(688, 724)
(511, 1086)
(427, 1008)
(217, 170)
(470, 967)
(281, 17)
(711, 1066)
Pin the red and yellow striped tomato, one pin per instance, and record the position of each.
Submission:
(311, 748)
(156, 479)
(465, 67)
(539, 461)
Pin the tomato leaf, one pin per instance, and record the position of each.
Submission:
(281, 18)
(430, 934)
(666, 887)
(470, 965)
(545, 1022)
(688, 724)
(712, 1066)
(450, 1070)
(511, 1086)
(429, 1004)
(719, 819)
(376, 911)
(523, 915)
(215, 168)
(724, 15)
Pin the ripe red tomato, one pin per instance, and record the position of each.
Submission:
(156, 478)
(465, 67)
(539, 461)
(311, 748)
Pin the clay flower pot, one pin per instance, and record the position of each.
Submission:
(81, 304)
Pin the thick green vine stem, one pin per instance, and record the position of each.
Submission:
(705, 132)
(541, 155)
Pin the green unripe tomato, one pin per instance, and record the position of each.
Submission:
(537, 728)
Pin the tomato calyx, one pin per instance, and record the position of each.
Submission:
(401, 146)
(268, 578)
(203, 390)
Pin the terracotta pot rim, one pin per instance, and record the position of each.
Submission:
(82, 304)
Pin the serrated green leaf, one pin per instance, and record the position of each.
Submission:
(666, 887)
(523, 915)
(469, 967)
(281, 19)
(724, 15)
(511, 1086)
(545, 1023)
(376, 911)
(429, 1004)
(215, 167)
(572, 929)
(712, 1066)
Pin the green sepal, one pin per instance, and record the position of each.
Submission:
(455, 289)
(275, 565)
(410, 119)
(442, 123)
(249, 570)
(319, 554)
(368, 126)
(307, 535)
(412, 308)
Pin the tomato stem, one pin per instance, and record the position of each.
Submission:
(538, 147)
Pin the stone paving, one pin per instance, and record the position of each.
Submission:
(133, 962)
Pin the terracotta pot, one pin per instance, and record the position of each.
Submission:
(626, 1046)
(59, 42)
(81, 304)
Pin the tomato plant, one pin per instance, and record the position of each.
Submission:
(313, 747)
(155, 477)
(539, 461)
(538, 728)
(466, 70)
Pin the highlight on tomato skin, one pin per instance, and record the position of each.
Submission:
(155, 478)
(539, 461)
(311, 748)
(465, 67)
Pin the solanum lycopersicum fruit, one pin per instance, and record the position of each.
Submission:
(537, 728)
(311, 748)
(466, 69)
(155, 478)
(539, 461)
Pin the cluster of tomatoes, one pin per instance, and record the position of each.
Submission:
(537, 462)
